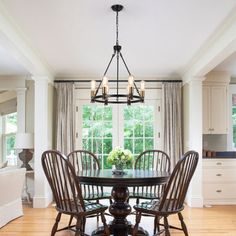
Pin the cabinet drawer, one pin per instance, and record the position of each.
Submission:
(219, 162)
(219, 191)
(219, 175)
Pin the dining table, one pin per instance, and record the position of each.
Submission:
(120, 207)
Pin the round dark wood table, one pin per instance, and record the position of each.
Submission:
(120, 207)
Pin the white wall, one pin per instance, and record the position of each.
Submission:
(215, 142)
(29, 107)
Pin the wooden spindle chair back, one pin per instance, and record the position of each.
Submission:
(172, 199)
(175, 192)
(63, 182)
(67, 194)
(151, 160)
(87, 161)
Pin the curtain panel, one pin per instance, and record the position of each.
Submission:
(65, 128)
(172, 117)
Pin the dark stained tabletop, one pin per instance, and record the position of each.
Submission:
(129, 179)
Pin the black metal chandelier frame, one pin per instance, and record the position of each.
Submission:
(117, 98)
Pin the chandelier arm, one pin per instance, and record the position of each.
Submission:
(104, 74)
(137, 89)
(109, 64)
(125, 63)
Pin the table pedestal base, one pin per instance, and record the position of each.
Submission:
(120, 232)
(120, 209)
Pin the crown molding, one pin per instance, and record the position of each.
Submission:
(216, 49)
(13, 39)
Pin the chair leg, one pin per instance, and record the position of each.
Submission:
(83, 224)
(97, 201)
(54, 228)
(183, 225)
(166, 225)
(70, 221)
(106, 229)
(156, 225)
(78, 227)
(137, 221)
(137, 200)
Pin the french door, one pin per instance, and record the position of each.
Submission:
(100, 128)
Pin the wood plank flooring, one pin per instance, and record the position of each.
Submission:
(214, 221)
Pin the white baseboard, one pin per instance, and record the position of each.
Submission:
(41, 202)
(194, 201)
(219, 201)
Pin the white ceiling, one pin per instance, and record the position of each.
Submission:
(75, 37)
(228, 65)
(9, 65)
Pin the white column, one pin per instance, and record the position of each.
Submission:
(193, 125)
(21, 110)
(42, 140)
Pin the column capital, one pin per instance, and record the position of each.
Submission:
(194, 79)
(21, 90)
(42, 78)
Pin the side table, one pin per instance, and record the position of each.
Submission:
(26, 197)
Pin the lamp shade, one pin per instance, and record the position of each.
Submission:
(24, 141)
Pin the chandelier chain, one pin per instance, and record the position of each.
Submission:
(117, 28)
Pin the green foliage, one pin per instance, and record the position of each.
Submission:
(12, 118)
(234, 125)
(98, 131)
(10, 143)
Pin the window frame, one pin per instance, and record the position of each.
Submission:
(4, 137)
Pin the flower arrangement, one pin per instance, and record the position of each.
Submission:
(120, 157)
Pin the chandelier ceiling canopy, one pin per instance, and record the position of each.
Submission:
(101, 93)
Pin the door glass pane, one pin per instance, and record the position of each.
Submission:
(97, 131)
(138, 128)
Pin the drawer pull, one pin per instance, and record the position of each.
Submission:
(219, 175)
(218, 191)
(218, 163)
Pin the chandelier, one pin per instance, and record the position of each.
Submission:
(101, 93)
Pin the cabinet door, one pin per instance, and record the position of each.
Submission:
(218, 110)
(206, 110)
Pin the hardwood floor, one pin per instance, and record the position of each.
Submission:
(214, 221)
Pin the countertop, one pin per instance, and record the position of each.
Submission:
(223, 155)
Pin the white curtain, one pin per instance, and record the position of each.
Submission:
(65, 129)
(172, 130)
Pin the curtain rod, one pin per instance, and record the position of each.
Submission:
(86, 81)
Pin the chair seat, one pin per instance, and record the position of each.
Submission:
(152, 207)
(146, 195)
(96, 196)
(92, 207)
(149, 205)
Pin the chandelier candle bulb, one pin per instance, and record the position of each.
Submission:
(93, 88)
(142, 85)
(105, 81)
(93, 85)
(131, 80)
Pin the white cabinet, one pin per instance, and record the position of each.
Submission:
(219, 181)
(215, 105)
